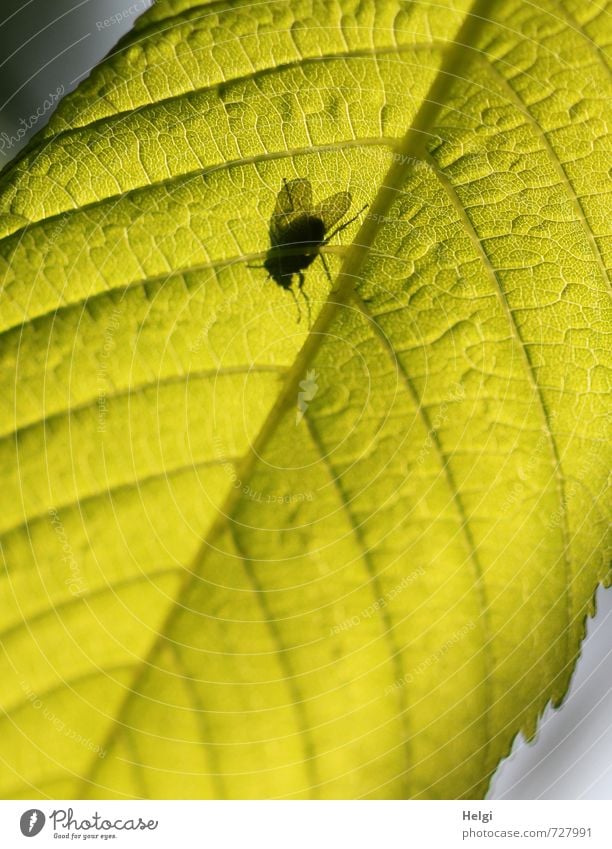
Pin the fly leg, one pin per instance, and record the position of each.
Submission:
(343, 226)
(326, 267)
(331, 236)
(294, 296)
(301, 280)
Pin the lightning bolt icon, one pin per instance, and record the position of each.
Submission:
(33, 820)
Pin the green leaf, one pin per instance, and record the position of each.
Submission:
(245, 556)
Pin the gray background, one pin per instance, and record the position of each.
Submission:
(48, 43)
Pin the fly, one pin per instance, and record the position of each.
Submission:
(298, 232)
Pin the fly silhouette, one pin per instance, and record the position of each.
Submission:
(298, 232)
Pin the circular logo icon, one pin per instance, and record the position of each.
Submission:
(32, 822)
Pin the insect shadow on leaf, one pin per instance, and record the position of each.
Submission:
(298, 232)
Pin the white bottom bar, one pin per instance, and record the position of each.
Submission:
(307, 825)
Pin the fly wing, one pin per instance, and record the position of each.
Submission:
(293, 200)
(333, 208)
(294, 196)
